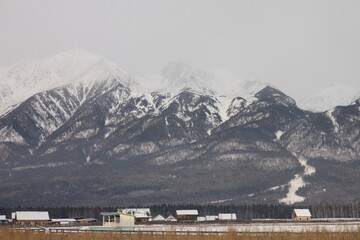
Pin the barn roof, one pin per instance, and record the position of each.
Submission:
(32, 215)
(187, 212)
(109, 214)
(2, 217)
(302, 212)
(171, 218)
(159, 218)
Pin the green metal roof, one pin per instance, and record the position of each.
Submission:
(109, 214)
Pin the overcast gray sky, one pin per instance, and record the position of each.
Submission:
(300, 46)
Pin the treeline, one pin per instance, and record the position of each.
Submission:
(243, 212)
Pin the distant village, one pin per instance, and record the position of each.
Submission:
(126, 219)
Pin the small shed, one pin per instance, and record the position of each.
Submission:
(159, 218)
(31, 217)
(301, 215)
(187, 215)
(227, 217)
(171, 218)
(116, 219)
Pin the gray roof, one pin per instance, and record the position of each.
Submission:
(302, 212)
(187, 212)
(32, 215)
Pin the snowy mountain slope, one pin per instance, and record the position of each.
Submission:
(272, 111)
(173, 140)
(22, 80)
(328, 98)
(333, 134)
(117, 132)
(39, 116)
(356, 98)
(219, 82)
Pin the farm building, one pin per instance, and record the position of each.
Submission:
(3, 219)
(140, 214)
(187, 215)
(158, 218)
(171, 218)
(301, 215)
(31, 217)
(63, 221)
(115, 219)
(227, 217)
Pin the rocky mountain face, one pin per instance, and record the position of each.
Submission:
(98, 139)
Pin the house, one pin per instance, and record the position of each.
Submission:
(201, 219)
(63, 221)
(116, 219)
(141, 214)
(158, 218)
(31, 217)
(187, 215)
(301, 215)
(227, 217)
(171, 218)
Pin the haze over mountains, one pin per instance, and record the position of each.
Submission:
(22, 80)
(101, 136)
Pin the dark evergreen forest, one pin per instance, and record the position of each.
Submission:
(243, 212)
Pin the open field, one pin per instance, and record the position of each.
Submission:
(215, 231)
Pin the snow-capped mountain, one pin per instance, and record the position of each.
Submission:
(22, 80)
(99, 136)
(220, 82)
(333, 96)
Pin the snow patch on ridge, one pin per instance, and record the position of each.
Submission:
(278, 134)
(297, 182)
(10, 135)
(330, 115)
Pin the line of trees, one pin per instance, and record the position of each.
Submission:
(244, 212)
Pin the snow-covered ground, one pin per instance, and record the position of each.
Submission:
(254, 227)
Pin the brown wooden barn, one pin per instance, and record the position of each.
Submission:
(31, 217)
(301, 215)
(187, 215)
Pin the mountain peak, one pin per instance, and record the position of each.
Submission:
(26, 78)
(180, 75)
(270, 92)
